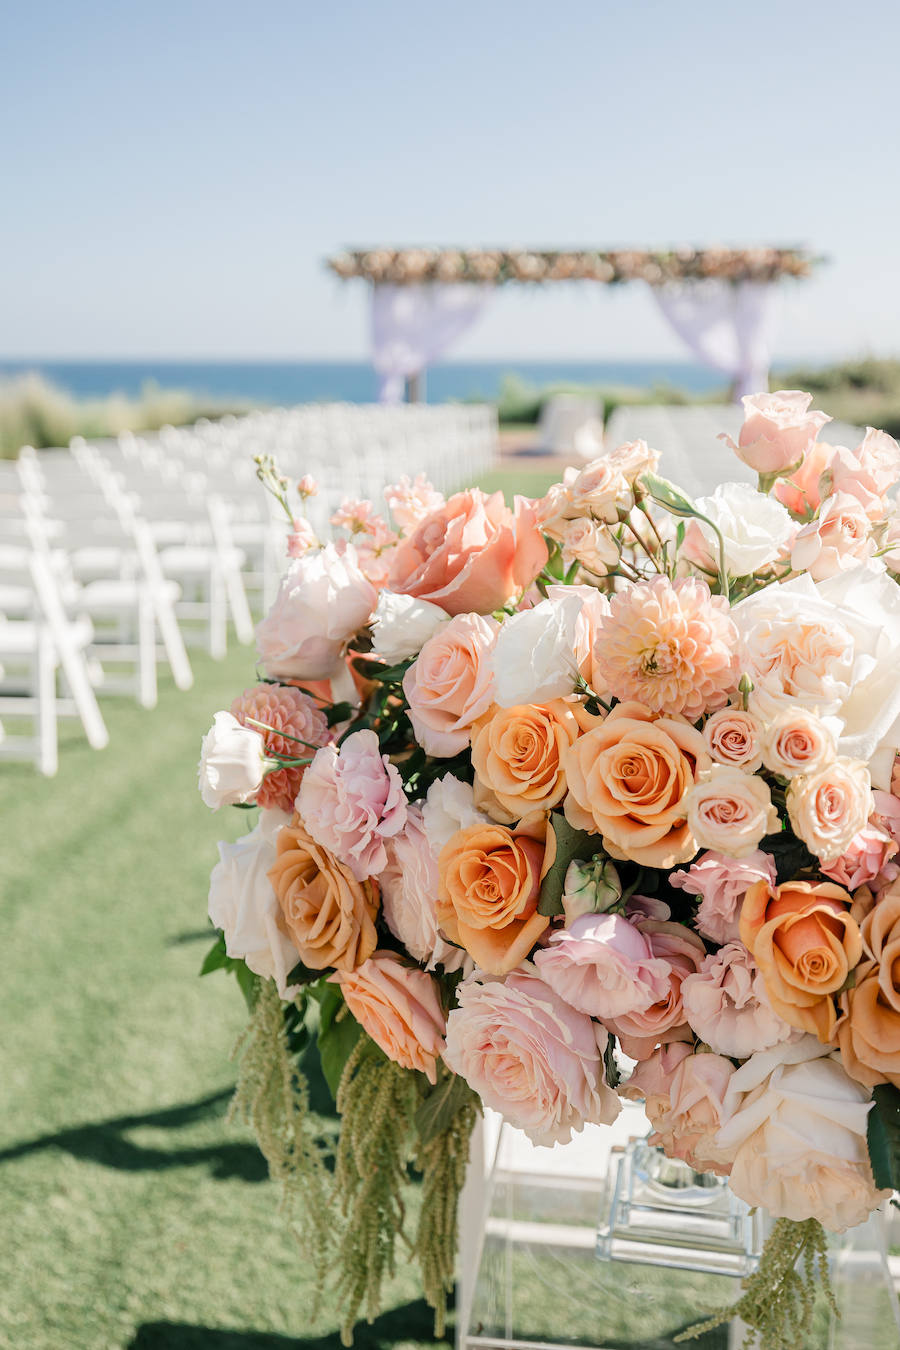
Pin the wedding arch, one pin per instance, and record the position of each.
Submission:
(723, 302)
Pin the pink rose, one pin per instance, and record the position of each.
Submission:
(800, 493)
(865, 857)
(472, 554)
(835, 541)
(778, 430)
(734, 739)
(302, 539)
(651, 1081)
(409, 887)
(604, 967)
(399, 1007)
(530, 1056)
(727, 1006)
(722, 881)
(868, 472)
(697, 1108)
(351, 800)
(322, 600)
(451, 684)
(643, 1030)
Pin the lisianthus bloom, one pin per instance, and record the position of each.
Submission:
(470, 555)
(868, 1031)
(697, 1093)
(629, 779)
(778, 430)
(668, 645)
(604, 966)
(726, 1004)
(449, 806)
(866, 858)
(401, 625)
(722, 882)
(284, 710)
(490, 881)
(518, 755)
(409, 888)
(322, 599)
(351, 800)
(805, 942)
(753, 527)
(451, 683)
(534, 659)
(641, 1030)
(530, 1055)
(399, 1007)
(328, 915)
(233, 761)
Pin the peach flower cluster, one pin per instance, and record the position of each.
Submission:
(297, 726)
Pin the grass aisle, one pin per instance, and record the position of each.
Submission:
(131, 1216)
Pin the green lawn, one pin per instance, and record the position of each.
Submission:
(131, 1214)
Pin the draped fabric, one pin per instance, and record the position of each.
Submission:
(729, 326)
(412, 327)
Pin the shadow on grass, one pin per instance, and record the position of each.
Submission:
(105, 1143)
(411, 1322)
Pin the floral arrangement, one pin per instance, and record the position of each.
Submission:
(409, 266)
(595, 797)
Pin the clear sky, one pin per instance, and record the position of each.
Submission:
(173, 172)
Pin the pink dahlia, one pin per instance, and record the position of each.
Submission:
(284, 709)
(668, 645)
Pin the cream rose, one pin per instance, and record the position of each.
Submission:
(734, 739)
(591, 545)
(836, 540)
(451, 684)
(731, 812)
(827, 808)
(798, 741)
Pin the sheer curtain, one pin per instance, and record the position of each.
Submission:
(412, 327)
(727, 326)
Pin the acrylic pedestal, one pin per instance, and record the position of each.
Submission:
(532, 1221)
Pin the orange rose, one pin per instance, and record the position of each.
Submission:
(869, 1031)
(629, 780)
(399, 1007)
(328, 915)
(805, 941)
(518, 755)
(490, 881)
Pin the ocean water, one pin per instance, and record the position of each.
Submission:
(283, 383)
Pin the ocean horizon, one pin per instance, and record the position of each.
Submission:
(281, 383)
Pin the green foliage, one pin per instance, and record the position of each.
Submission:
(790, 853)
(570, 843)
(338, 1033)
(218, 959)
(883, 1137)
(442, 1105)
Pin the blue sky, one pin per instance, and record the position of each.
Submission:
(172, 174)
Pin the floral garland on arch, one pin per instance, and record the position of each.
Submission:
(611, 771)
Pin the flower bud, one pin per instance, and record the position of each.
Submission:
(590, 887)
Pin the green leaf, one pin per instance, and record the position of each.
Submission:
(380, 671)
(338, 712)
(216, 958)
(883, 1136)
(301, 974)
(570, 843)
(248, 982)
(790, 853)
(335, 1047)
(440, 1107)
(609, 1061)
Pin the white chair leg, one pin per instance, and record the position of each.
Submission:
(45, 672)
(147, 691)
(240, 609)
(218, 616)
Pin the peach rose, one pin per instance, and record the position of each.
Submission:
(398, 1006)
(696, 1111)
(731, 812)
(827, 808)
(518, 755)
(328, 915)
(651, 1081)
(734, 738)
(629, 780)
(641, 1030)
(490, 881)
(869, 1029)
(800, 493)
(835, 541)
(805, 942)
(778, 430)
(471, 554)
(451, 684)
(798, 741)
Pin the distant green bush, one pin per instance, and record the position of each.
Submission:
(865, 392)
(521, 402)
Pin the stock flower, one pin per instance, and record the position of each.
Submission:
(398, 1006)
(308, 487)
(734, 739)
(351, 800)
(753, 527)
(805, 942)
(490, 881)
(409, 887)
(322, 599)
(451, 683)
(669, 646)
(868, 1031)
(731, 812)
(518, 755)
(232, 763)
(836, 540)
(778, 430)
(531, 1056)
(352, 514)
(797, 741)
(412, 502)
(290, 711)
(642, 1029)
(726, 1004)
(827, 808)
(534, 659)
(629, 780)
(471, 554)
(328, 915)
(603, 966)
(401, 625)
(722, 882)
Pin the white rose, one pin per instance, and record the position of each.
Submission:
(534, 659)
(731, 812)
(449, 806)
(409, 888)
(797, 1139)
(402, 624)
(232, 764)
(754, 527)
(244, 905)
(827, 808)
